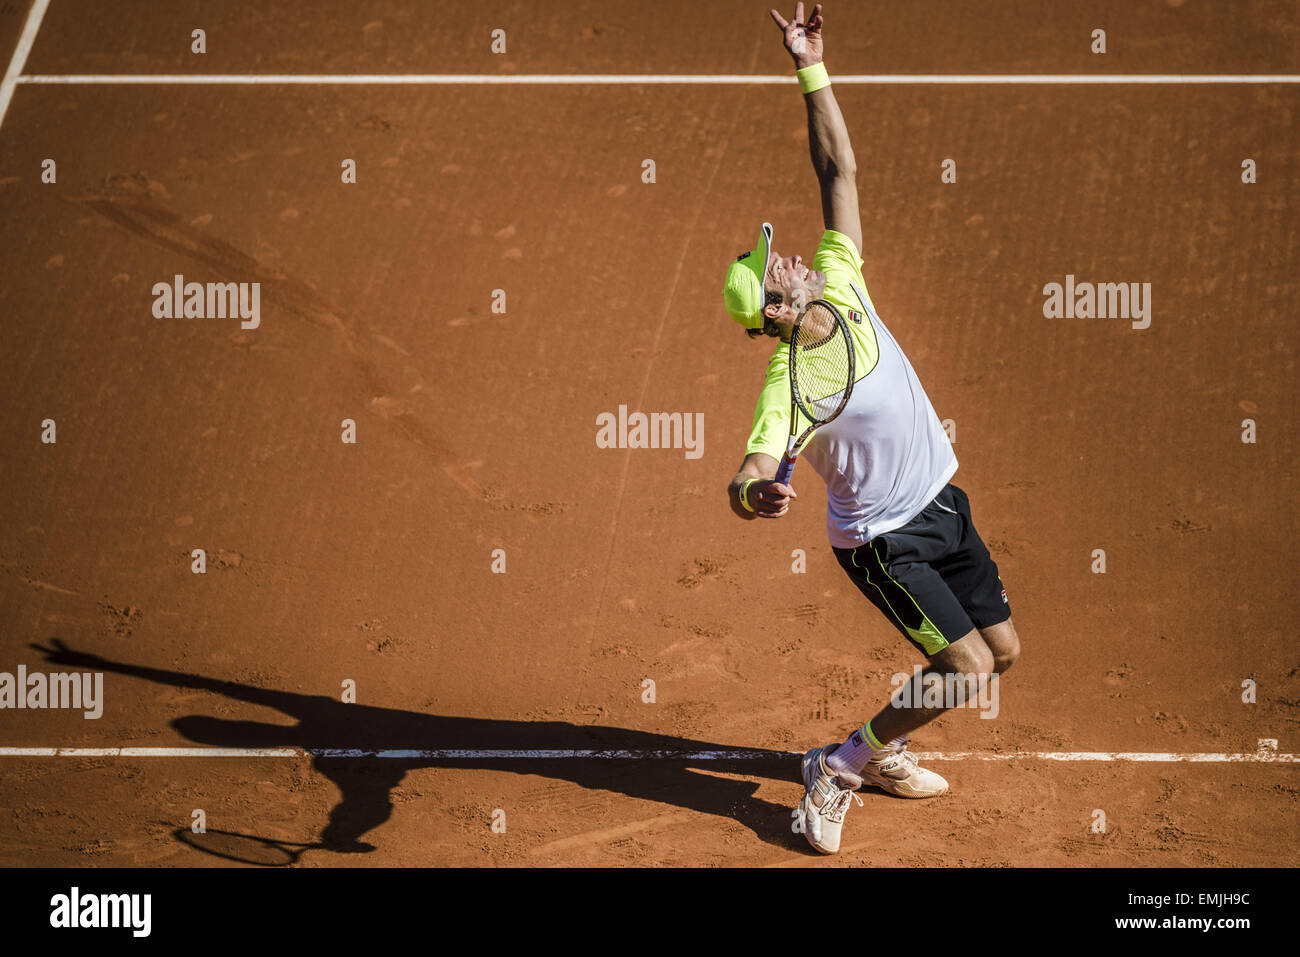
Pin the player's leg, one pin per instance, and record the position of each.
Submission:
(895, 572)
(892, 571)
(1004, 643)
(965, 666)
(972, 575)
(957, 676)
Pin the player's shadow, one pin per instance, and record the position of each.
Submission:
(366, 783)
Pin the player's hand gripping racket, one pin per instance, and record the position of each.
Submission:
(821, 376)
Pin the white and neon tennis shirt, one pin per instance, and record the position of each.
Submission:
(886, 455)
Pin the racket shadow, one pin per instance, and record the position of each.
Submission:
(245, 848)
(719, 786)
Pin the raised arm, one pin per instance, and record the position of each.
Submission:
(828, 137)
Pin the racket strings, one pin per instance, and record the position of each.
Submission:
(822, 362)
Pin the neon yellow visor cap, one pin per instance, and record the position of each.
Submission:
(743, 293)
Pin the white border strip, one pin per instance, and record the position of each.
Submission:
(19, 59)
(637, 79)
(1260, 757)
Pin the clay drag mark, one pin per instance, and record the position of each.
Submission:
(129, 204)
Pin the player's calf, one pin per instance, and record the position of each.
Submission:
(958, 676)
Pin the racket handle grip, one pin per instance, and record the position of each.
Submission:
(785, 469)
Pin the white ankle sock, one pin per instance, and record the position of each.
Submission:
(854, 754)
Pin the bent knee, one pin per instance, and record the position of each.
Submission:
(1004, 658)
(970, 658)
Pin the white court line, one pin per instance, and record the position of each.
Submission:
(638, 79)
(1262, 756)
(151, 753)
(586, 79)
(19, 59)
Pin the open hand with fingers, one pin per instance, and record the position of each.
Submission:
(803, 40)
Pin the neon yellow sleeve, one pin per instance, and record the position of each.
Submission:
(771, 429)
(838, 258)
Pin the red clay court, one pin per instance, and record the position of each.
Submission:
(499, 275)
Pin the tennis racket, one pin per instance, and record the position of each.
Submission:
(821, 376)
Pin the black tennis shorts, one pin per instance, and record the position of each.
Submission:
(933, 578)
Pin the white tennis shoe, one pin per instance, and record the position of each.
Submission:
(826, 800)
(896, 771)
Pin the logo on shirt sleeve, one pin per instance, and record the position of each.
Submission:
(855, 317)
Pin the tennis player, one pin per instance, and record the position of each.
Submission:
(899, 528)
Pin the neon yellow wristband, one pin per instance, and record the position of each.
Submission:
(744, 494)
(813, 77)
